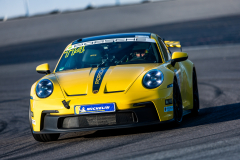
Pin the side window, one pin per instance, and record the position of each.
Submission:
(168, 51)
(164, 50)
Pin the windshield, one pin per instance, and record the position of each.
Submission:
(108, 54)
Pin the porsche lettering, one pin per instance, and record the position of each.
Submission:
(138, 38)
(99, 76)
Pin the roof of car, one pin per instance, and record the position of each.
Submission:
(110, 36)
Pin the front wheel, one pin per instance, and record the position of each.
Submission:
(195, 110)
(177, 103)
(46, 137)
(42, 137)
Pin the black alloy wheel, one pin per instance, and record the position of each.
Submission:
(195, 110)
(177, 103)
(42, 137)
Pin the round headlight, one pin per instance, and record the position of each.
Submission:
(153, 79)
(44, 88)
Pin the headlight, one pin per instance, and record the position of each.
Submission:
(44, 88)
(153, 79)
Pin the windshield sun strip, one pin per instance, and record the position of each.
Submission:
(131, 39)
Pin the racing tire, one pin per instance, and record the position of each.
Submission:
(46, 137)
(42, 137)
(177, 104)
(195, 110)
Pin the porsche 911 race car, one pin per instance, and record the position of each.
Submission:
(113, 81)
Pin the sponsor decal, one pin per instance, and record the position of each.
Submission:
(33, 122)
(170, 85)
(137, 38)
(168, 101)
(95, 108)
(98, 78)
(168, 109)
(70, 47)
(72, 51)
(32, 114)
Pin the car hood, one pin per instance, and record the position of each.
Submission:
(112, 79)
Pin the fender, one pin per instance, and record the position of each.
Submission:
(188, 97)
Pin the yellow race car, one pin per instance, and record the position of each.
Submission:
(113, 81)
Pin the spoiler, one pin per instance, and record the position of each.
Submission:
(173, 44)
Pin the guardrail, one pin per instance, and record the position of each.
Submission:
(10, 9)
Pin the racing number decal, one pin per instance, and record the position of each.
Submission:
(98, 78)
(73, 51)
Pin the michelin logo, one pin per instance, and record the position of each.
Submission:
(168, 109)
(95, 108)
(98, 108)
(83, 109)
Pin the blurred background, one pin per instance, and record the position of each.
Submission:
(33, 32)
(27, 8)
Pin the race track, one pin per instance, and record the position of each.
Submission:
(213, 44)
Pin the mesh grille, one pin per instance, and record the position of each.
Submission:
(105, 119)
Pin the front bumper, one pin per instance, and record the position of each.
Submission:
(124, 103)
(120, 119)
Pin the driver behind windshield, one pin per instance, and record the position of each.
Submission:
(139, 55)
(108, 54)
(143, 51)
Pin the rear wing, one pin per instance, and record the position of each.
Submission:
(173, 44)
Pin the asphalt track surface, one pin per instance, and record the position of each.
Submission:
(213, 44)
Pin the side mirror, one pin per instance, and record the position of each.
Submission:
(178, 57)
(43, 68)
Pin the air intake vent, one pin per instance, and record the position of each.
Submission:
(95, 120)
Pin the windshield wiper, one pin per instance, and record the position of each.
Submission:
(103, 63)
(109, 62)
(121, 60)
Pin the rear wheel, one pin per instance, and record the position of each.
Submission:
(195, 110)
(42, 137)
(177, 103)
